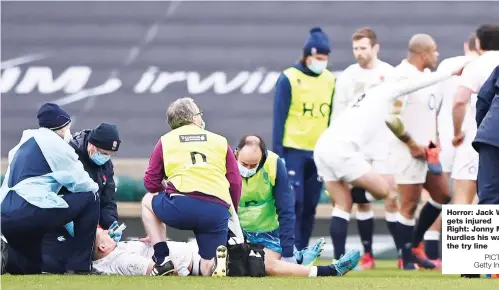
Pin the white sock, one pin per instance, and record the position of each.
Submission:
(432, 236)
(364, 215)
(405, 221)
(391, 217)
(337, 212)
(313, 272)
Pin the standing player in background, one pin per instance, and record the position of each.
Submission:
(472, 80)
(339, 153)
(367, 73)
(464, 111)
(414, 122)
(447, 91)
(302, 108)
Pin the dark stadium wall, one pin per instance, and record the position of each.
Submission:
(124, 62)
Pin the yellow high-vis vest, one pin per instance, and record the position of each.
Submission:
(195, 160)
(310, 110)
(257, 210)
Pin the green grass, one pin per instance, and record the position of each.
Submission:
(384, 277)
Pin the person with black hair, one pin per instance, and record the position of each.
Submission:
(472, 80)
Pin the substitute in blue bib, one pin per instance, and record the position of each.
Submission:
(302, 105)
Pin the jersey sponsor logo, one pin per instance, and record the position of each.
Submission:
(193, 138)
(136, 268)
(432, 102)
(359, 99)
(309, 109)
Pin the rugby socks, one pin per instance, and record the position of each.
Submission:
(338, 231)
(429, 213)
(391, 223)
(405, 228)
(161, 252)
(322, 271)
(365, 224)
(432, 245)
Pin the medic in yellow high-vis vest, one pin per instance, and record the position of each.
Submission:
(203, 187)
(266, 208)
(302, 106)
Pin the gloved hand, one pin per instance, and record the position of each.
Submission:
(114, 233)
(70, 227)
(291, 260)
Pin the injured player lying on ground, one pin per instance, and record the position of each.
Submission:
(134, 258)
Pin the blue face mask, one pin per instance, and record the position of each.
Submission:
(100, 158)
(245, 172)
(317, 66)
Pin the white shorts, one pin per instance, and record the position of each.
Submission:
(378, 153)
(380, 159)
(339, 160)
(408, 170)
(465, 165)
(447, 155)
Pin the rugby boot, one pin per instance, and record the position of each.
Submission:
(366, 262)
(421, 258)
(164, 268)
(346, 262)
(221, 260)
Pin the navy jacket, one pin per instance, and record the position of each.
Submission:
(285, 206)
(487, 112)
(102, 175)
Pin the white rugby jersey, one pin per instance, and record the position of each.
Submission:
(419, 111)
(132, 258)
(361, 122)
(355, 81)
(473, 77)
(447, 90)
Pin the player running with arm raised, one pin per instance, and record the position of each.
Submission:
(339, 152)
(414, 122)
(367, 73)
